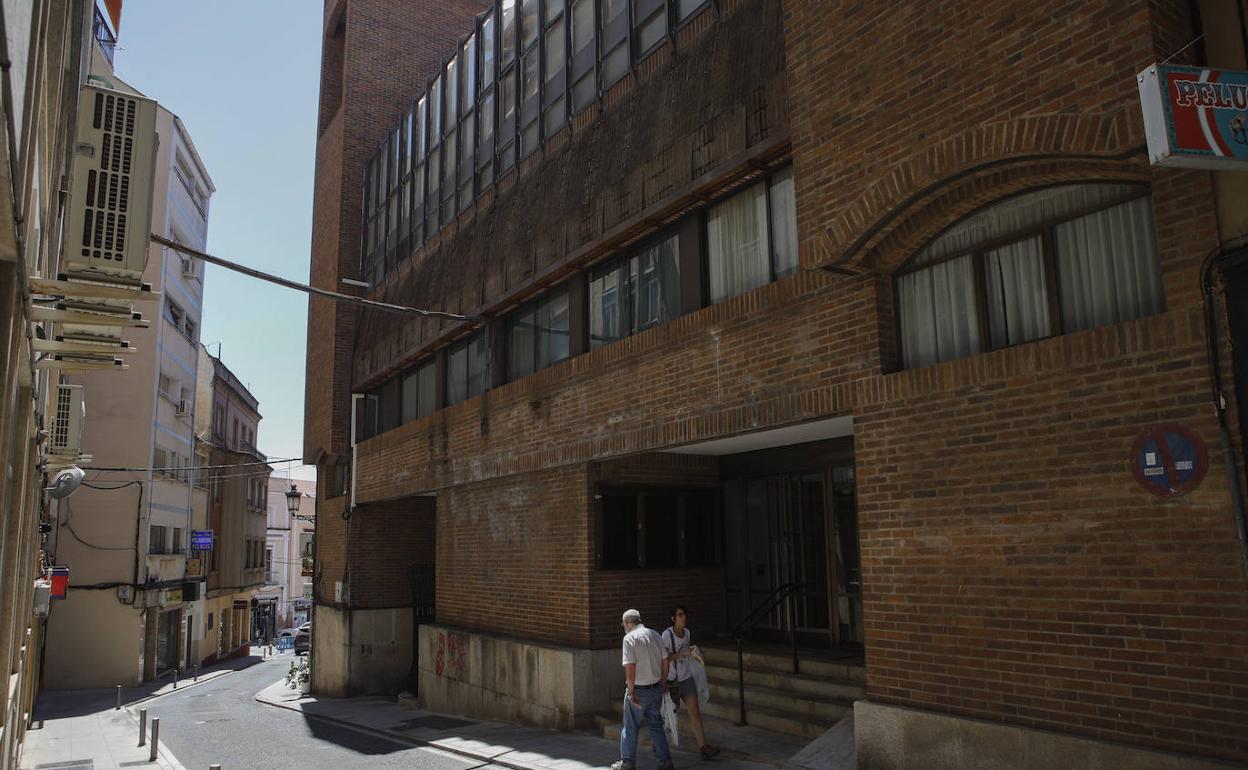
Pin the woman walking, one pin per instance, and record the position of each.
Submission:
(678, 646)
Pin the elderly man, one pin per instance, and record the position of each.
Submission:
(645, 672)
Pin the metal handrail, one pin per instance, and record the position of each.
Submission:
(781, 594)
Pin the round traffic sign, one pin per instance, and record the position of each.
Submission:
(1169, 460)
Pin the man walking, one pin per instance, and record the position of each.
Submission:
(645, 671)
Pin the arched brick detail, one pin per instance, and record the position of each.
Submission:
(982, 151)
(931, 214)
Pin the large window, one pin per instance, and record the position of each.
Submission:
(584, 55)
(554, 75)
(650, 24)
(538, 335)
(419, 395)
(485, 105)
(615, 51)
(657, 529)
(468, 368)
(1045, 263)
(751, 238)
(635, 292)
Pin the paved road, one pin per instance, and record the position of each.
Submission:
(220, 722)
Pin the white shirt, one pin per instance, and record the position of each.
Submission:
(643, 647)
(677, 671)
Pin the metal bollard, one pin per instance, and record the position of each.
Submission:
(118, 706)
(142, 726)
(175, 679)
(196, 679)
(214, 767)
(151, 756)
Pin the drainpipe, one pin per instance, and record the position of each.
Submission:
(355, 411)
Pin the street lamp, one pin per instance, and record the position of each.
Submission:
(293, 498)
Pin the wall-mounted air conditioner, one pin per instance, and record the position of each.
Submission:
(188, 267)
(113, 174)
(66, 439)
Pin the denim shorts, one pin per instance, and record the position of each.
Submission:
(684, 688)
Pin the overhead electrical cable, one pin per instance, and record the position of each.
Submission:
(307, 289)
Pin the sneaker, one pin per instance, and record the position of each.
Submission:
(709, 752)
(622, 765)
(666, 765)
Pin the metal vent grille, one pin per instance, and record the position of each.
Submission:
(60, 425)
(107, 202)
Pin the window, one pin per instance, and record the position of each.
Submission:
(485, 107)
(164, 386)
(420, 391)
(687, 8)
(421, 150)
(615, 57)
(554, 75)
(538, 335)
(467, 126)
(156, 535)
(657, 529)
(177, 540)
(173, 312)
(468, 368)
(743, 251)
(584, 83)
(651, 24)
(635, 292)
(218, 421)
(1044, 263)
(388, 413)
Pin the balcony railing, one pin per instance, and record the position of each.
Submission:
(104, 36)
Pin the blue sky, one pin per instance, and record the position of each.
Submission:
(243, 76)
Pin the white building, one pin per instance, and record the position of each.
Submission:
(288, 553)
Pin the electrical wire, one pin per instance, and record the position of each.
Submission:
(197, 467)
(307, 289)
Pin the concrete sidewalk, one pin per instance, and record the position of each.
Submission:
(84, 728)
(519, 748)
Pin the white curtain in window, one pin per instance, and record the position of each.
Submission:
(1109, 267)
(1019, 214)
(938, 316)
(784, 222)
(1018, 307)
(736, 236)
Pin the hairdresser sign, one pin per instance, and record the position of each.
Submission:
(1195, 117)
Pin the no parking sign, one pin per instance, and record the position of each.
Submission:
(1169, 460)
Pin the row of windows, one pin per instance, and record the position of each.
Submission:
(749, 240)
(516, 80)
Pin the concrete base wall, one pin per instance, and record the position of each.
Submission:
(380, 651)
(515, 680)
(331, 648)
(896, 738)
(361, 652)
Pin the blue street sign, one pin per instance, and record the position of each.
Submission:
(286, 643)
(201, 540)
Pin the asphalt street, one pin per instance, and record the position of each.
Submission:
(220, 722)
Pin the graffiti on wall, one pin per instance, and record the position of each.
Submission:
(452, 656)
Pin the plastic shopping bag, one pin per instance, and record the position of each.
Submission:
(668, 710)
(699, 677)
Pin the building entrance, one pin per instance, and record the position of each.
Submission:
(790, 518)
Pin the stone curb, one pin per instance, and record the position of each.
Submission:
(186, 684)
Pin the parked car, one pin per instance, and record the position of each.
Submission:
(303, 639)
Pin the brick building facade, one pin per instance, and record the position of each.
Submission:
(755, 292)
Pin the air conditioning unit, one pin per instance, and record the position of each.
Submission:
(184, 407)
(188, 267)
(66, 439)
(113, 173)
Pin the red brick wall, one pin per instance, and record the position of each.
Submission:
(370, 74)
(514, 556)
(1013, 570)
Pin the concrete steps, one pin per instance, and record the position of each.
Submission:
(785, 711)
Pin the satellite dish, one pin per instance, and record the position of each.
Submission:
(65, 482)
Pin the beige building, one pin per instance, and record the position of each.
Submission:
(238, 487)
(135, 611)
(288, 554)
(45, 47)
